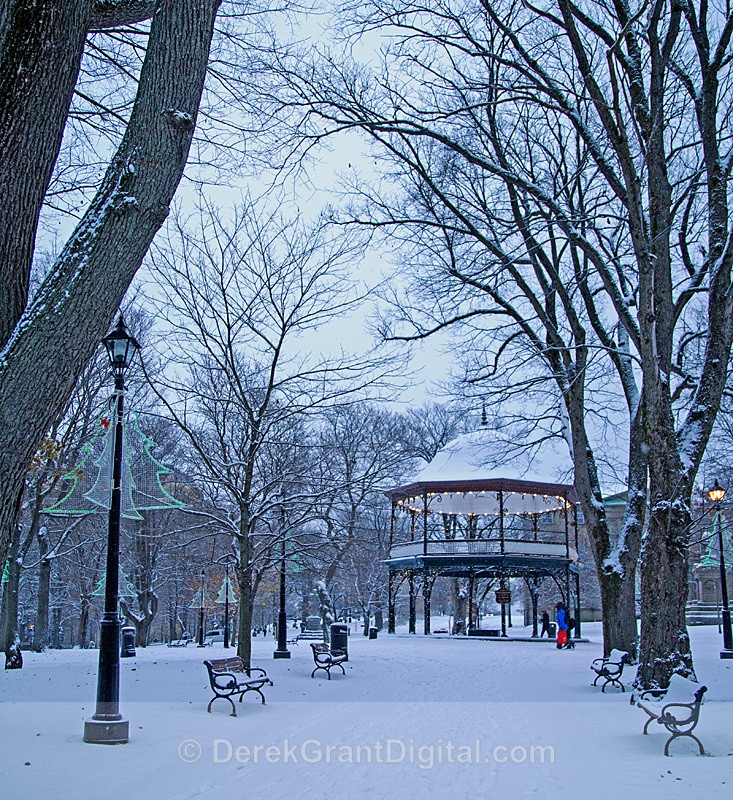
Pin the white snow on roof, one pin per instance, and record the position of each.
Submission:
(484, 454)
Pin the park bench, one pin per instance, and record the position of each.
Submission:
(179, 642)
(229, 677)
(325, 659)
(677, 708)
(610, 669)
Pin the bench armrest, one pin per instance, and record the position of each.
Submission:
(256, 669)
(229, 680)
(664, 712)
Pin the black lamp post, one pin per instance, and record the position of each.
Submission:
(226, 609)
(201, 610)
(107, 725)
(282, 621)
(716, 495)
(227, 561)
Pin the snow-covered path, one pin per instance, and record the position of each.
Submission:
(414, 717)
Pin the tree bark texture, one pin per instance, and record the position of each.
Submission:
(40, 57)
(74, 307)
(40, 638)
(246, 599)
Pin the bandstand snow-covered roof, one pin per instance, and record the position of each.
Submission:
(479, 473)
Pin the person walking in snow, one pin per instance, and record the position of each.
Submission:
(562, 625)
(545, 625)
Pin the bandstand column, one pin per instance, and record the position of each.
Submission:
(390, 603)
(411, 583)
(503, 610)
(427, 590)
(501, 523)
(470, 601)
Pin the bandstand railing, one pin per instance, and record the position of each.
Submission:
(461, 547)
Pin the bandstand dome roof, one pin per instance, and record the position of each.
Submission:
(479, 473)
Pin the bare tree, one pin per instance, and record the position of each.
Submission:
(637, 102)
(47, 342)
(237, 302)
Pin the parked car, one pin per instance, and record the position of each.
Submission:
(216, 635)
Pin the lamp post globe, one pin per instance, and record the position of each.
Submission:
(716, 495)
(106, 725)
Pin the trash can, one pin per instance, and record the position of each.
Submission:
(553, 630)
(373, 633)
(128, 642)
(340, 639)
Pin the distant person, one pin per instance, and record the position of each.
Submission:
(562, 625)
(545, 625)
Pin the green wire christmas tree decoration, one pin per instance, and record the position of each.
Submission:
(126, 588)
(712, 554)
(222, 598)
(142, 475)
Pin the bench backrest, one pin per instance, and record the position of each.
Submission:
(234, 664)
(618, 656)
(320, 647)
(683, 690)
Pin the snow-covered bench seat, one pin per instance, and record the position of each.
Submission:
(325, 659)
(229, 677)
(610, 669)
(677, 708)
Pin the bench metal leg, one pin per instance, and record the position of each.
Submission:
(222, 697)
(647, 723)
(320, 667)
(252, 689)
(613, 682)
(679, 736)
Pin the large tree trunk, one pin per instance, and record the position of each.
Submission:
(84, 620)
(665, 643)
(59, 332)
(9, 613)
(615, 560)
(40, 57)
(41, 47)
(618, 598)
(246, 599)
(40, 639)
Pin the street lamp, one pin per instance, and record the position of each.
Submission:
(716, 495)
(107, 725)
(201, 610)
(282, 621)
(227, 560)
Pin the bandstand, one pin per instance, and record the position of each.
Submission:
(460, 518)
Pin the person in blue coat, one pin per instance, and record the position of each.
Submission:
(562, 625)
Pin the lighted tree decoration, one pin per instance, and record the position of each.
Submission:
(142, 476)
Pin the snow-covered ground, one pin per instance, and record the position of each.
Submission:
(414, 717)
